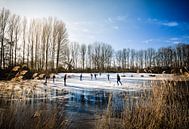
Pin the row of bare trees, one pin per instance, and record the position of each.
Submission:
(39, 43)
(176, 56)
(42, 44)
(102, 57)
(93, 56)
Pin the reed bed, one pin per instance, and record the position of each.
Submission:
(21, 116)
(165, 107)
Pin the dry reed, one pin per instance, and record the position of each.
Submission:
(167, 107)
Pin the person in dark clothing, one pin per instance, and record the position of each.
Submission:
(65, 77)
(91, 76)
(118, 79)
(108, 77)
(53, 78)
(45, 80)
(81, 77)
(95, 75)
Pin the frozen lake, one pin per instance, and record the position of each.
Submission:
(81, 102)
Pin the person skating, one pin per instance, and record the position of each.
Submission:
(95, 76)
(118, 79)
(81, 77)
(91, 76)
(108, 77)
(45, 80)
(65, 77)
(53, 78)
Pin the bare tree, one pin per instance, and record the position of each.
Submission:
(11, 37)
(150, 55)
(24, 25)
(141, 59)
(124, 58)
(62, 42)
(4, 17)
(96, 50)
(37, 34)
(89, 56)
(43, 46)
(31, 42)
(83, 54)
(17, 30)
(132, 58)
(48, 30)
(54, 42)
(106, 55)
(74, 51)
(119, 58)
(28, 51)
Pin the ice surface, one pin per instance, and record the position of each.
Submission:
(37, 89)
(130, 81)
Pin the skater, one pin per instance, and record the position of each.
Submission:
(45, 80)
(53, 78)
(108, 77)
(118, 80)
(81, 77)
(65, 77)
(91, 76)
(95, 75)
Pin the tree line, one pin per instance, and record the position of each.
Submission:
(43, 44)
(38, 43)
(102, 57)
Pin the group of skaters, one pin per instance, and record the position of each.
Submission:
(81, 76)
(95, 76)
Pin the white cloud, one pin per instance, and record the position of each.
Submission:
(164, 23)
(170, 24)
(179, 39)
(174, 38)
(116, 19)
(147, 41)
(176, 42)
(152, 20)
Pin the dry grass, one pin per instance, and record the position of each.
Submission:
(20, 116)
(166, 108)
(21, 113)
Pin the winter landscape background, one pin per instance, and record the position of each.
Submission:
(94, 64)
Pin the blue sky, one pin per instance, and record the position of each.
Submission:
(135, 24)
